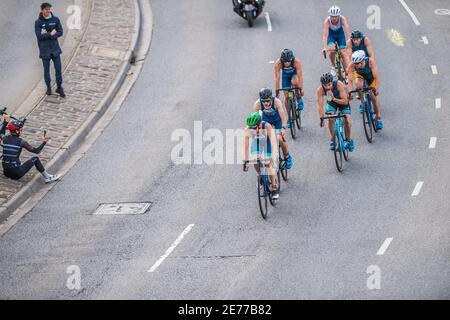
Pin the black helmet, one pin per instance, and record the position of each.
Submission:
(356, 34)
(287, 55)
(265, 93)
(326, 78)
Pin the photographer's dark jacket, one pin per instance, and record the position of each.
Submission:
(48, 45)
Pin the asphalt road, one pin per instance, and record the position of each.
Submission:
(324, 234)
(19, 56)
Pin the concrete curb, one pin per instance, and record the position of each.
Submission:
(64, 153)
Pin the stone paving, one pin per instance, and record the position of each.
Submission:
(87, 80)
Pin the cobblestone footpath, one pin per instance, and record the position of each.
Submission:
(91, 73)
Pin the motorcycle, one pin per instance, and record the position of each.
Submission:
(248, 9)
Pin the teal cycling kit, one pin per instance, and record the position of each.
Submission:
(333, 106)
(271, 115)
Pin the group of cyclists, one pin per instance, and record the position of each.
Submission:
(269, 120)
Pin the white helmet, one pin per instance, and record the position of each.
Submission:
(334, 11)
(358, 56)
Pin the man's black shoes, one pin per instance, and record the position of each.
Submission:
(61, 92)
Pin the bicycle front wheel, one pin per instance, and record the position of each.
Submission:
(292, 117)
(282, 164)
(367, 123)
(338, 151)
(344, 135)
(298, 118)
(262, 196)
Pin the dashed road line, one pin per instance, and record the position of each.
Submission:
(433, 141)
(269, 23)
(171, 248)
(434, 69)
(424, 40)
(413, 16)
(384, 246)
(438, 103)
(417, 189)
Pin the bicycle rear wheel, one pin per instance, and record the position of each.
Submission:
(373, 118)
(262, 196)
(282, 164)
(298, 118)
(337, 151)
(367, 123)
(344, 135)
(292, 117)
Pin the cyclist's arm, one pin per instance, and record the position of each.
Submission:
(280, 108)
(298, 66)
(277, 74)
(256, 106)
(369, 47)
(245, 145)
(376, 74)
(344, 99)
(350, 71)
(31, 149)
(326, 29)
(320, 101)
(346, 27)
(349, 45)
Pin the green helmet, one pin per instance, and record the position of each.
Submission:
(254, 119)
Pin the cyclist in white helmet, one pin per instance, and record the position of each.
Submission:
(363, 69)
(336, 28)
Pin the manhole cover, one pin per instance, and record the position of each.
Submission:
(108, 53)
(122, 208)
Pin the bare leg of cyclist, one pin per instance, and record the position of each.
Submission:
(359, 84)
(348, 127)
(376, 106)
(286, 105)
(284, 146)
(331, 128)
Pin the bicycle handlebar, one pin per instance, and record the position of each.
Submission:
(289, 89)
(336, 49)
(362, 90)
(333, 116)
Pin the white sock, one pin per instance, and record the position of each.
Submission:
(46, 175)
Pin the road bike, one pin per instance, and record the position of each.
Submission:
(369, 116)
(295, 114)
(340, 72)
(340, 138)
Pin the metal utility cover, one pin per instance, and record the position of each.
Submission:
(108, 53)
(122, 208)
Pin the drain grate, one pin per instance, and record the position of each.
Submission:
(123, 208)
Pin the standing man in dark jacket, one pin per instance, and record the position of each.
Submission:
(48, 29)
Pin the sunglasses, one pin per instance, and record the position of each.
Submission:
(266, 100)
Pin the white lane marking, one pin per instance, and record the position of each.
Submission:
(413, 16)
(171, 248)
(433, 141)
(269, 24)
(434, 69)
(384, 246)
(424, 40)
(438, 103)
(271, 62)
(417, 189)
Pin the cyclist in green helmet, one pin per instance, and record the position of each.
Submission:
(263, 142)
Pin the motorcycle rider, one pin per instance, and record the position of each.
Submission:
(238, 6)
